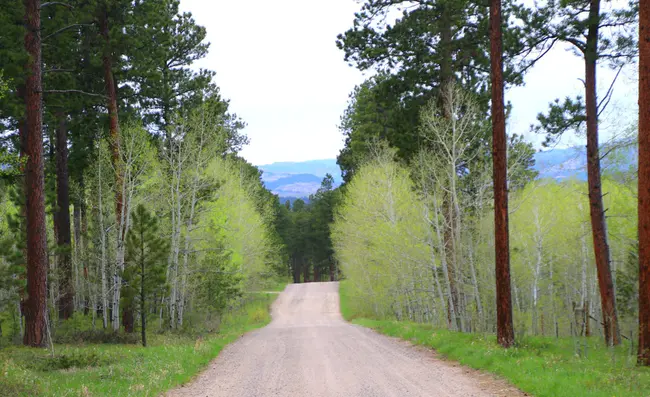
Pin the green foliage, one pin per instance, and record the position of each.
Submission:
(216, 285)
(379, 236)
(627, 285)
(146, 253)
(131, 370)
(144, 277)
(389, 237)
(570, 22)
(12, 246)
(232, 226)
(417, 50)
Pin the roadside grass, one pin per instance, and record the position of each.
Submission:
(540, 366)
(275, 285)
(124, 370)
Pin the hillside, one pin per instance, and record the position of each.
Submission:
(291, 180)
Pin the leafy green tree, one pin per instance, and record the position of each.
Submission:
(12, 249)
(216, 286)
(144, 274)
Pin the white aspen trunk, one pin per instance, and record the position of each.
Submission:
(128, 187)
(445, 269)
(20, 319)
(551, 295)
(188, 230)
(117, 285)
(477, 295)
(434, 270)
(186, 255)
(77, 299)
(177, 222)
(536, 270)
(102, 260)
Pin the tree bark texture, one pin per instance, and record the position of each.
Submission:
(115, 147)
(644, 183)
(505, 331)
(37, 259)
(596, 207)
(66, 285)
(113, 119)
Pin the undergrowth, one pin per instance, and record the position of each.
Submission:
(106, 369)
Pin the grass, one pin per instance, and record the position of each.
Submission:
(123, 370)
(541, 366)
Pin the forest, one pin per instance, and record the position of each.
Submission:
(125, 203)
(443, 220)
(128, 215)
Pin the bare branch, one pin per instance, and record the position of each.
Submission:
(74, 92)
(57, 32)
(56, 3)
(608, 95)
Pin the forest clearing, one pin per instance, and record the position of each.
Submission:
(140, 233)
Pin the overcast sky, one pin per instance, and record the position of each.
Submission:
(278, 64)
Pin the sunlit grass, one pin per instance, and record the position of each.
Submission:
(123, 370)
(541, 366)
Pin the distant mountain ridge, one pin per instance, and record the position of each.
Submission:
(561, 164)
(291, 180)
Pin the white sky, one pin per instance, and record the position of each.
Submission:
(278, 63)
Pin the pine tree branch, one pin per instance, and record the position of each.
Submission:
(56, 3)
(57, 32)
(74, 92)
(59, 71)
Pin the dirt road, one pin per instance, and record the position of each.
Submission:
(309, 350)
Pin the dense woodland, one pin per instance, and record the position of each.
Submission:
(125, 203)
(422, 228)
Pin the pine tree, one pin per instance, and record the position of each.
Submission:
(144, 272)
(644, 183)
(595, 35)
(505, 332)
(37, 256)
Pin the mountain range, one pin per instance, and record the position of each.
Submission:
(291, 180)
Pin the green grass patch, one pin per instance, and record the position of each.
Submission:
(541, 366)
(123, 370)
(276, 285)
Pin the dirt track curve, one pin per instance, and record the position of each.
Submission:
(308, 350)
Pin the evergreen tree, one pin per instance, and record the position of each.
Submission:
(505, 331)
(144, 272)
(595, 35)
(644, 183)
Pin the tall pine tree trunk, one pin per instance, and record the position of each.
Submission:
(596, 207)
(66, 286)
(644, 182)
(505, 331)
(37, 259)
(115, 143)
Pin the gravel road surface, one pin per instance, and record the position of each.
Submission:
(308, 350)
